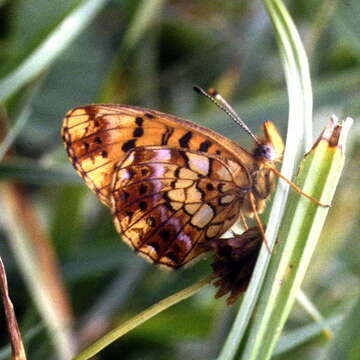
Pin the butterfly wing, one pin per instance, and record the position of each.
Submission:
(98, 137)
(167, 201)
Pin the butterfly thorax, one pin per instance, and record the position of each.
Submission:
(267, 152)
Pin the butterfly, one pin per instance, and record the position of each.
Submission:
(171, 184)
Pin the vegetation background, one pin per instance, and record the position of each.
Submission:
(65, 264)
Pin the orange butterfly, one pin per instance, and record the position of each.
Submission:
(171, 184)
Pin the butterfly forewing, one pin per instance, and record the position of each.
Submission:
(167, 201)
(97, 137)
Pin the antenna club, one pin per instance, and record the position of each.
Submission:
(212, 92)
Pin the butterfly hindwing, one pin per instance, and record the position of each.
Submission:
(166, 202)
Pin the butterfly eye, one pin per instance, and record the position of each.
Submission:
(265, 152)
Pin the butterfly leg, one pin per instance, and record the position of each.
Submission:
(258, 220)
(243, 221)
(297, 189)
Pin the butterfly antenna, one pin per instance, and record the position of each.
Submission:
(222, 104)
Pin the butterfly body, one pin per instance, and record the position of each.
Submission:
(171, 184)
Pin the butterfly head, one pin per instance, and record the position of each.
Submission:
(271, 147)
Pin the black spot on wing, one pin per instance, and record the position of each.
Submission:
(145, 171)
(185, 157)
(149, 116)
(138, 132)
(164, 234)
(204, 146)
(143, 205)
(177, 172)
(209, 187)
(131, 173)
(211, 163)
(139, 121)
(142, 189)
(130, 144)
(166, 135)
(184, 140)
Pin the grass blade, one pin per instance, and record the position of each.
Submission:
(139, 319)
(42, 280)
(18, 351)
(300, 116)
(146, 15)
(297, 337)
(346, 343)
(319, 175)
(51, 48)
(14, 132)
(31, 172)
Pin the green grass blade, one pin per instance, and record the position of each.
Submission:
(306, 333)
(347, 25)
(300, 116)
(51, 48)
(139, 319)
(313, 312)
(319, 175)
(14, 131)
(346, 343)
(148, 12)
(33, 173)
(21, 120)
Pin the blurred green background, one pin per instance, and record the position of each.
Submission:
(151, 53)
